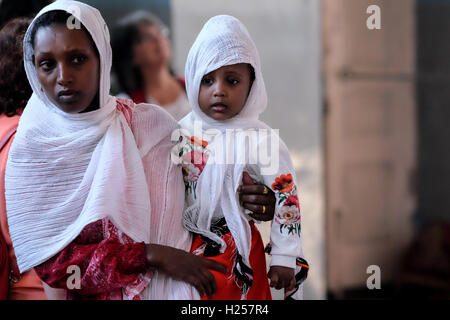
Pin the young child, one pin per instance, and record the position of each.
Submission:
(220, 139)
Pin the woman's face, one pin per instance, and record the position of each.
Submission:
(153, 49)
(67, 67)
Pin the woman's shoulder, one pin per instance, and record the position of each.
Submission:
(156, 115)
(152, 125)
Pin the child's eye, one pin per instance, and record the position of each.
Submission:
(207, 81)
(233, 81)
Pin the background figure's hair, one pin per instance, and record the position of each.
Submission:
(14, 87)
(124, 36)
(11, 9)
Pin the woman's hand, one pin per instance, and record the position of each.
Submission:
(257, 198)
(184, 266)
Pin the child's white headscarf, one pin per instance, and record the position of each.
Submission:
(224, 40)
(64, 170)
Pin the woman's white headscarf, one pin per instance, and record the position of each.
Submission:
(224, 40)
(64, 170)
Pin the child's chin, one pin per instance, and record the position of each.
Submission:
(220, 116)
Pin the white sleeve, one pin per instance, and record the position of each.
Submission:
(285, 236)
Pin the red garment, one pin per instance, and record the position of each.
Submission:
(226, 286)
(107, 265)
(4, 269)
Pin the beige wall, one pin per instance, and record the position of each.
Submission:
(287, 34)
(371, 145)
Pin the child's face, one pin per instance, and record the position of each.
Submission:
(67, 67)
(223, 92)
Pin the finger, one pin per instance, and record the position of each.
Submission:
(291, 285)
(257, 199)
(246, 179)
(206, 281)
(214, 265)
(278, 286)
(197, 285)
(273, 279)
(258, 189)
(261, 217)
(255, 208)
(284, 283)
(212, 285)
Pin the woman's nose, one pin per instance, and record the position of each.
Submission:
(65, 76)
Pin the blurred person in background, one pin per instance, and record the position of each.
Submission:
(14, 94)
(141, 61)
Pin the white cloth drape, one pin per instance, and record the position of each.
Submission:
(65, 171)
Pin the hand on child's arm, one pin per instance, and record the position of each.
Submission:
(184, 266)
(254, 196)
(281, 277)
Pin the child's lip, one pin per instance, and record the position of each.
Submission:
(219, 107)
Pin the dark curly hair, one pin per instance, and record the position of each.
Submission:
(14, 87)
(11, 9)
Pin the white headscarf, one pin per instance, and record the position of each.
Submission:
(64, 170)
(224, 40)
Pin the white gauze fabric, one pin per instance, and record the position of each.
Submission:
(65, 171)
(224, 40)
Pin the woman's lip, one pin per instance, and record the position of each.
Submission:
(68, 96)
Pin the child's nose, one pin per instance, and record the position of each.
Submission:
(219, 89)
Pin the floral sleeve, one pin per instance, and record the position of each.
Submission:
(192, 154)
(287, 213)
(285, 236)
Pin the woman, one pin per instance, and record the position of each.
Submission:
(97, 188)
(89, 177)
(14, 94)
(141, 61)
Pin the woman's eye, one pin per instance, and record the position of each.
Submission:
(46, 65)
(233, 81)
(79, 59)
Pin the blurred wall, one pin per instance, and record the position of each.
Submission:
(287, 34)
(115, 9)
(370, 139)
